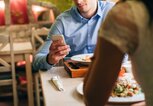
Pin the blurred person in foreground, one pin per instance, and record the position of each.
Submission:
(128, 28)
(79, 25)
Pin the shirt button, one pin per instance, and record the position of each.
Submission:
(89, 48)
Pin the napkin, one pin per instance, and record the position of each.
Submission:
(57, 82)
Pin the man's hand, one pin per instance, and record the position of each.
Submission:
(57, 51)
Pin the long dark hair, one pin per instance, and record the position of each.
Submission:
(149, 6)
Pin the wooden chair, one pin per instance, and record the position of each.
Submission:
(48, 15)
(26, 48)
(22, 39)
(6, 66)
(23, 45)
(38, 33)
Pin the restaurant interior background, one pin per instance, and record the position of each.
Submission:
(19, 15)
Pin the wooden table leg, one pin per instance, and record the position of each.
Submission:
(29, 80)
(36, 76)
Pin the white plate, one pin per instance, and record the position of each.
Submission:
(79, 88)
(81, 57)
(127, 65)
(135, 98)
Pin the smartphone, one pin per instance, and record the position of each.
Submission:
(58, 37)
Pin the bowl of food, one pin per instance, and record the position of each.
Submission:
(126, 90)
(126, 86)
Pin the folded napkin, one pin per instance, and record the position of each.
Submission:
(57, 82)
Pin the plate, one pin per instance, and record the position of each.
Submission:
(135, 98)
(127, 65)
(79, 88)
(83, 58)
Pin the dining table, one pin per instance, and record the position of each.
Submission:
(70, 95)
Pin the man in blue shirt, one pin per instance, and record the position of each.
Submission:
(79, 25)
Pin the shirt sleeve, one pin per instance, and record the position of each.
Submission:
(120, 29)
(56, 28)
(39, 61)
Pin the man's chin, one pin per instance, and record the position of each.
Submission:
(82, 10)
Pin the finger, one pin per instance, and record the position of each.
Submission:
(54, 58)
(63, 47)
(64, 51)
(53, 49)
(52, 46)
(60, 52)
(58, 42)
(61, 56)
(58, 58)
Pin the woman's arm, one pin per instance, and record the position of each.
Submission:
(102, 73)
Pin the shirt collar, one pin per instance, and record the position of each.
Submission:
(99, 10)
(78, 15)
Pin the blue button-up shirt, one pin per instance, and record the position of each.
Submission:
(80, 33)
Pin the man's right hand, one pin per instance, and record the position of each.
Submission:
(57, 51)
